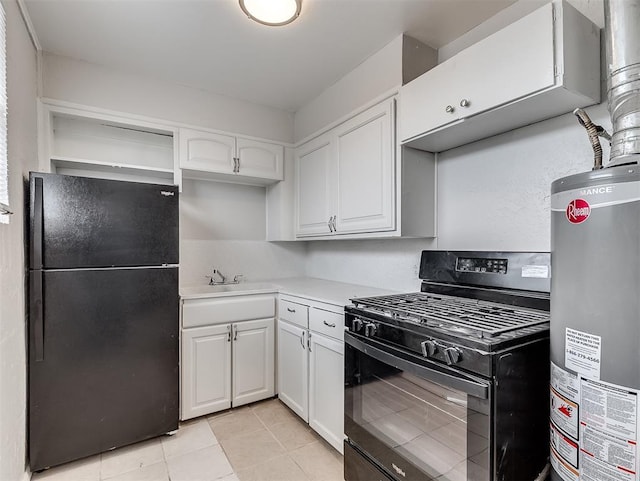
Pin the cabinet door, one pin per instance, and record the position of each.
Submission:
(313, 187)
(253, 361)
(207, 151)
(206, 370)
(365, 168)
(429, 101)
(292, 368)
(260, 159)
(492, 81)
(326, 388)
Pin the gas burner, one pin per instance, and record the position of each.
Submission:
(463, 316)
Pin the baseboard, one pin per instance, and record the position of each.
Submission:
(26, 476)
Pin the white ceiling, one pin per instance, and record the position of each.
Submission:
(211, 45)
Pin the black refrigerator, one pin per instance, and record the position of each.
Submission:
(103, 315)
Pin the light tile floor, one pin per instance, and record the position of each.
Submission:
(261, 442)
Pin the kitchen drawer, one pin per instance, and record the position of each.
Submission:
(294, 313)
(221, 310)
(328, 323)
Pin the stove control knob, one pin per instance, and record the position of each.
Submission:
(452, 355)
(356, 325)
(429, 348)
(370, 329)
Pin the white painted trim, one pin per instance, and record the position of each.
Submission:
(29, 24)
(139, 120)
(388, 94)
(39, 73)
(26, 476)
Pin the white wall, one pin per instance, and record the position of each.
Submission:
(22, 81)
(376, 75)
(90, 84)
(223, 226)
(592, 9)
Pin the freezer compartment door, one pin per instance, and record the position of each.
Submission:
(106, 371)
(80, 222)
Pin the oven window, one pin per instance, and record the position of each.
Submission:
(393, 415)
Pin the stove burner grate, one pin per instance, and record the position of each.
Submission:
(484, 318)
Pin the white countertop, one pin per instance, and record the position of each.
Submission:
(330, 292)
(244, 288)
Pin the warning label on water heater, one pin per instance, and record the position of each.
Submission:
(564, 427)
(608, 432)
(582, 353)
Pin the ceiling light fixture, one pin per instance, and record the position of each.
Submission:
(272, 12)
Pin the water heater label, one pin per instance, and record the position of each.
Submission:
(608, 431)
(564, 414)
(578, 211)
(582, 353)
(565, 383)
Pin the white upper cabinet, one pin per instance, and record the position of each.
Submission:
(345, 177)
(260, 159)
(207, 151)
(224, 157)
(543, 65)
(314, 177)
(365, 164)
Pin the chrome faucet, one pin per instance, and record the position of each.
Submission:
(212, 279)
(223, 279)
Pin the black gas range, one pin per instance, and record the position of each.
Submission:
(450, 383)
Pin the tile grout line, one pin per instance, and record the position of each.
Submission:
(233, 470)
(287, 453)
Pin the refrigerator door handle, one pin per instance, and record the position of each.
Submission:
(37, 227)
(37, 314)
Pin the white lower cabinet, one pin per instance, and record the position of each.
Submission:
(227, 363)
(293, 363)
(310, 365)
(253, 359)
(206, 370)
(326, 388)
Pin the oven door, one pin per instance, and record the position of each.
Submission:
(414, 418)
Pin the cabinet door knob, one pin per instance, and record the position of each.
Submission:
(449, 109)
(332, 324)
(302, 340)
(330, 224)
(464, 103)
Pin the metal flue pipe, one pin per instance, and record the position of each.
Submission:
(622, 33)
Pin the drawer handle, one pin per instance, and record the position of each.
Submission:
(333, 324)
(290, 310)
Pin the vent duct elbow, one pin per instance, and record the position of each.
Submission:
(622, 24)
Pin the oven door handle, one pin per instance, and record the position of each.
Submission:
(458, 381)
